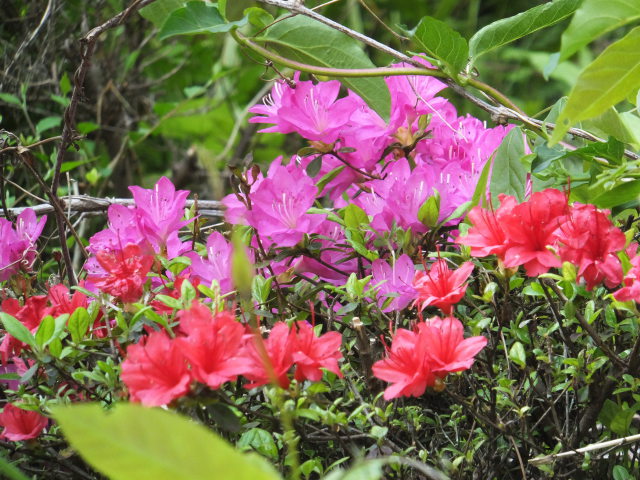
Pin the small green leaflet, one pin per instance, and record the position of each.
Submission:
(509, 29)
(442, 42)
(197, 17)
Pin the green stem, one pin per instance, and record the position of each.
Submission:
(334, 72)
(494, 94)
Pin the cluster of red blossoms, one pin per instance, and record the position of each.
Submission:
(424, 356)
(215, 349)
(545, 231)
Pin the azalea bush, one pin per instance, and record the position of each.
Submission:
(405, 291)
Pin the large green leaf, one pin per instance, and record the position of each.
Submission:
(509, 29)
(197, 17)
(137, 443)
(158, 11)
(595, 18)
(439, 40)
(603, 83)
(308, 41)
(508, 173)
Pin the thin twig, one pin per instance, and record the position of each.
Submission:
(618, 442)
(589, 329)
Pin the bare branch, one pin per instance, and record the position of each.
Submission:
(99, 206)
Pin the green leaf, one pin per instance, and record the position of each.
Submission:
(12, 99)
(619, 195)
(258, 17)
(45, 330)
(242, 270)
(158, 12)
(509, 29)
(79, 324)
(517, 354)
(605, 82)
(137, 443)
(65, 84)
(328, 177)
(308, 41)
(595, 18)
(439, 40)
(612, 123)
(9, 471)
(48, 123)
(16, 329)
(508, 174)
(429, 212)
(197, 17)
(480, 193)
(259, 440)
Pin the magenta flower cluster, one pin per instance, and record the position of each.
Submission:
(18, 243)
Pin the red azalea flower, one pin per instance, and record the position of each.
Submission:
(310, 353)
(406, 367)
(421, 358)
(214, 346)
(271, 358)
(440, 286)
(530, 228)
(590, 241)
(21, 424)
(31, 314)
(446, 347)
(486, 236)
(631, 289)
(62, 302)
(126, 272)
(156, 372)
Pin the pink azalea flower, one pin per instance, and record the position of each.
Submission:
(280, 204)
(441, 286)
(217, 265)
(160, 211)
(18, 243)
(30, 315)
(311, 110)
(395, 281)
